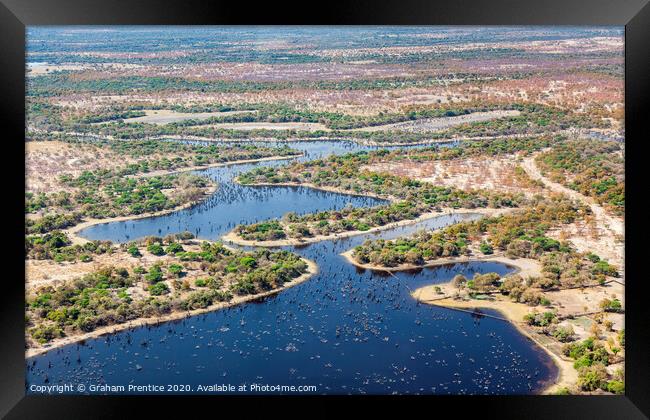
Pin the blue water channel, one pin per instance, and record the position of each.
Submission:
(344, 331)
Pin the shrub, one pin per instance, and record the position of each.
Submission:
(563, 391)
(156, 249)
(486, 248)
(611, 305)
(519, 248)
(540, 320)
(204, 298)
(248, 262)
(564, 334)
(616, 387)
(593, 257)
(176, 270)
(509, 283)
(46, 333)
(591, 378)
(587, 353)
(174, 248)
(583, 361)
(158, 289)
(545, 283)
(602, 267)
(531, 297)
(214, 283)
(183, 236)
(459, 280)
(414, 257)
(485, 282)
(152, 240)
(197, 300)
(244, 287)
(134, 251)
(576, 350)
(154, 275)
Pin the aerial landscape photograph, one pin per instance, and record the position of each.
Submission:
(325, 210)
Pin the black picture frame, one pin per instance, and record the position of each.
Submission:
(634, 14)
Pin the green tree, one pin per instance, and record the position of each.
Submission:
(134, 251)
(158, 289)
(591, 378)
(156, 249)
(176, 270)
(174, 248)
(154, 275)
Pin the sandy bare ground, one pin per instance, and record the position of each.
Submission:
(39, 69)
(491, 173)
(166, 116)
(603, 235)
(585, 300)
(45, 161)
(589, 236)
(49, 272)
(312, 269)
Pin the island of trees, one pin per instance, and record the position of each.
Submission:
(180, 274)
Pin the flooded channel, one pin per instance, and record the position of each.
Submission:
(344, 331)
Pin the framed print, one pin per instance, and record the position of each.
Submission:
(423, 200)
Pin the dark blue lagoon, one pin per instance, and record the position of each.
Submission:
(234, 204)
(344, 331)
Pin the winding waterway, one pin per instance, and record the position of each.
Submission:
(345, 330)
